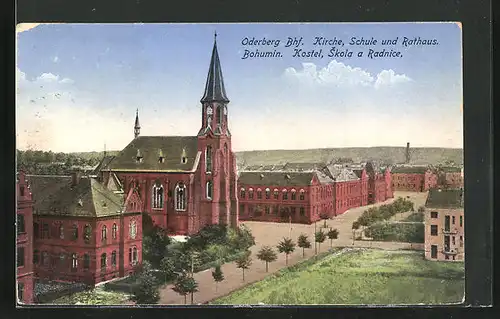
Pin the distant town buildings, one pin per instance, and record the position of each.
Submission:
(444, 225)
(24, 251)
(306, 192)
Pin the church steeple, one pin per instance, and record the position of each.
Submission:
(214, 88)
(137, 126)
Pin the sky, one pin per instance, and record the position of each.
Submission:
(79, 85)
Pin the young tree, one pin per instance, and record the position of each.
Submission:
(167, 266)
(244, 262)
(286, 246)
(218, 276)
(191, 287)
(303, 242)
(180, 286)
(145, 291)
(332, 234)
(268, 255)
(319, 237)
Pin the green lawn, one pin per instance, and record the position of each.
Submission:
(98, 296)
(359, 277)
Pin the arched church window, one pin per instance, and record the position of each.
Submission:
(218, 114)
(74, 262)
(133, 229)
(134, 255)
(285, 194)
(242, 193)
(268, 193)
(104, 233)
(87, 232)
(180, 197)
(302, 195)
(114, 231)
(259, 193)
(208, 159)
(250, 193)
(294, 194)
(276, 193)
(157, 196)
(209, 190)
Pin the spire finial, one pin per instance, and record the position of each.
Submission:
(215, 36)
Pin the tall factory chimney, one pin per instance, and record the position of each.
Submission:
(407, 153)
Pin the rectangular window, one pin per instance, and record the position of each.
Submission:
(45, 230)
(242, 208)
(35, 257)
(275, 210)
(259, 194)
(461, 241)
(130, 255)
(434, 214)
(453, 220)
(268, 210)
(21, 191)
(20, 224)
(453, 240)
(293, 211)
(302, 212)
(20, 292)
(434, 251)
(36, 231)
(113, 259)
(285, 195)
(434, 230)
(20, 256)
(86, 261)
(461, 221)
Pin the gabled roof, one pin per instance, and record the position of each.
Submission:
(56, 196)
(172, 147)
(214, 88)
(276, 178)
(445, 198)
(103, 164)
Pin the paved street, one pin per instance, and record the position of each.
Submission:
(270, 234)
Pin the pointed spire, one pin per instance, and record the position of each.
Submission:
(214, 88)
(137, 126)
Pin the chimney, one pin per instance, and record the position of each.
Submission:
(75, 177)
(408, 153)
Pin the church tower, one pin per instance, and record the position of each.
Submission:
(218, 163)
(137, 126)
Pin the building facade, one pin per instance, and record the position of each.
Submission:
(444, 225)
(307, 192)
(83, 231)
(413, 178)
(24, 251)
(185, 182)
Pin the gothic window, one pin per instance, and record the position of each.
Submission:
(20, 224)
(61, 231)
(134, 255)
(104, 233)
(218, 114)
(285, 194)
(250, 193)
(45, 231)
(157, 196)
(259, 193)
(209, 190)
(103, 262)
(268, 193)
(74, 262)
(208, 159)
(86, 261)
(242, 193)
(87, 232)
(74, 232)
(114, 231)
(294, 194)
(180, 197)
(276, 193)
(133, 229)
(113, 258)
(302, 195)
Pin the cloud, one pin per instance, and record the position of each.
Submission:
(55, 59)
(389, 77)
(341, 75)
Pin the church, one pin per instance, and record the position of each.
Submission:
(184, 182)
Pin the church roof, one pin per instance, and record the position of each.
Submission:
(137, 124)
(56, 196)
(173, 148)
(445, 198)
(276, 178)
(214, 88)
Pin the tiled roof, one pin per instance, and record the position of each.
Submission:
(276, 178)
(149, 147)
(55, 195)
(445, 198)
(214, 88)
(409, 169)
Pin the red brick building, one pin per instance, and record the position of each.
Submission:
(304, 192)
(84, 231)
(185, 182)
(24, 253)
(413, 178)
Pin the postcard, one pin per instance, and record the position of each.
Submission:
(240, 164)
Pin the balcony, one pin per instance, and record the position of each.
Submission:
(449, 231)
(452, 251)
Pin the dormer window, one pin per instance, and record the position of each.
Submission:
(183, 156)
(80, 202)
(139, 156)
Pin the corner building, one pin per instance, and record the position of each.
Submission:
(185, 182)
